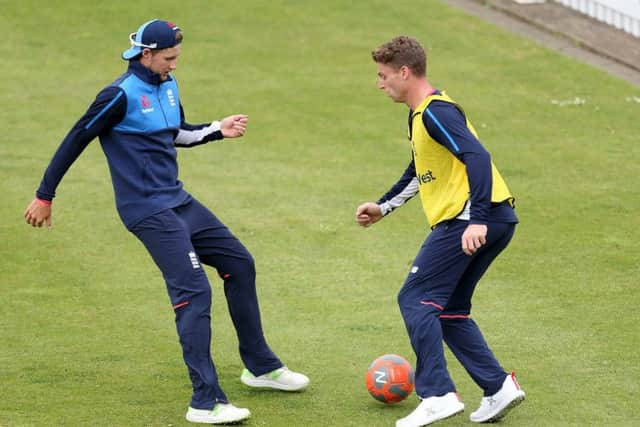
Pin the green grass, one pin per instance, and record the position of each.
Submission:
(86, 329)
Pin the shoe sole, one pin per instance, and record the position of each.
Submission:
(457, 412)
(447, 416)
(443, 417)
(504, 411)
(235, 420)
(255, 383)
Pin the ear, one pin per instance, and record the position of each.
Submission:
(145, 58)
(404, 72)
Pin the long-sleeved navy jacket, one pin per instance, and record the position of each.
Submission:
(140, 122)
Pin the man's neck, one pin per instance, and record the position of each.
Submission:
(421, 90)
(144, 73)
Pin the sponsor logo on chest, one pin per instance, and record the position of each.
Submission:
(426, 178)
(146, 105)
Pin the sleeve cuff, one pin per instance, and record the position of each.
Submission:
(214, 126)
(44, 202)
(385, 208)
(215, 131)
(477, 221)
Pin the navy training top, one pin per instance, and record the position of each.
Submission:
(139, 121)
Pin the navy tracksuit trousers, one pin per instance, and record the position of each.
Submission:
(179, 240)
(435, 302)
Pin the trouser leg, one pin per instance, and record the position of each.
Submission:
(460, 332)
(167, 240)
(218, 247)
(433, 278)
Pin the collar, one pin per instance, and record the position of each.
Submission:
(435, 91)
(144, 74)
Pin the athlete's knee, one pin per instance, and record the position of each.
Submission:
(248, 264)
(238, 269)
(407, 301)
(404, 300)
(413, 306)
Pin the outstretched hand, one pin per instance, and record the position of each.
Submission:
(38, 213)
(368, 214)
(234, 126)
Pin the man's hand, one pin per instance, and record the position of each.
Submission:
(368, 214)
(234, 126)
(38, 213)
(473, 238)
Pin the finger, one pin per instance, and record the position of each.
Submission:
(365, 208)
(466, 247)
(473, 244)
(364, 221)
(470, 243)
(49, 222)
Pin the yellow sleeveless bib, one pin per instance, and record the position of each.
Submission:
(442, 178)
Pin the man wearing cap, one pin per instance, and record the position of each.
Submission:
(140, 121)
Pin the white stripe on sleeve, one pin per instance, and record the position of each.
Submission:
(401, 198)
(186, 138)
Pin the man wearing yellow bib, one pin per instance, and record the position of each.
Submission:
(470, 211)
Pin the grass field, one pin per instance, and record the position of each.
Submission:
(87, 332)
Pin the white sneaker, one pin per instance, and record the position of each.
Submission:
(222, 413)
(431, 410)
(494, 407)
(280, 379)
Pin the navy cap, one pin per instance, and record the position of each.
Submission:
(155, 34)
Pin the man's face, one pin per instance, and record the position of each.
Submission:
(162, 62)
(392, 82)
